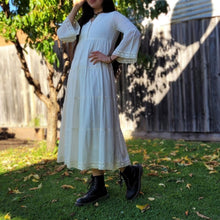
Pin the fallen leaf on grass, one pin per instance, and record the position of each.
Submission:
(174, 153)
(143, 208)
(180, 181)
(96, 204)
(38, 187)
(23, 206)
(54, 200)
(205, 145)
(36, 177)
(186, 212)
(165, 159)
(151, 198)
(83, 172)
(50, 173)
(161, 184)
(109, 178)
(14, 191)
(155, 166)
(67, 187)
(200, 198)
(85, 179)
(106, 185)
(135, 151)
(183, 161)
(214, 157)
(202, 216)
(213, 171)
(61, 167)
(191, 175)
(65, 173)
(153, 173)
(89, 171)
(188, 185)
(7, 216)
(209, 167)
(145, 157)
(135, 162)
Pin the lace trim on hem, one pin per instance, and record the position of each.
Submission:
(94, 96)
(94, 165)
(102, 129)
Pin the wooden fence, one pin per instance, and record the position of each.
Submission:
(174, 91)
(178, 90)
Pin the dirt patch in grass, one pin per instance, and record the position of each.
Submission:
(15, 142)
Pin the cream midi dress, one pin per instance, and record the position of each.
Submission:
(90, 133)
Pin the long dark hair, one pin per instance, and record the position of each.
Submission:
(87, 14)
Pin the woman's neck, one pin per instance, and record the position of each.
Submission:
(97, 10)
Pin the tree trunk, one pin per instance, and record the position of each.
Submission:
(52, 118)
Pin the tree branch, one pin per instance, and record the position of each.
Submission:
(64, 73)
(51, 74)
(5, 8)
(68, 50)
(31, 81)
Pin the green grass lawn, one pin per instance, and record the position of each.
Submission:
(181, 180)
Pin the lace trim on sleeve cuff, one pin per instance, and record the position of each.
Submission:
(125, 57)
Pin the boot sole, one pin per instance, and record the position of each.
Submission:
(139, 185)
(100, 198)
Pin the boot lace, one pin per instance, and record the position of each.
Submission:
(91, 185)
(125, 178)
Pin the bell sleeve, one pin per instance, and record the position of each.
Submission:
(127, 49)
(67, 32)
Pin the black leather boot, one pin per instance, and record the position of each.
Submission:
(96, 191)
(132, 177)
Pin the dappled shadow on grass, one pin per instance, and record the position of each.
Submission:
(178, 177)
(53, 194)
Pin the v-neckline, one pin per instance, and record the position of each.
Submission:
(95, 18)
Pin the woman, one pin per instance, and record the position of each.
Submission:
(90, 133)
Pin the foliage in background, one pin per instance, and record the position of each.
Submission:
(39, 19)
(138, 10)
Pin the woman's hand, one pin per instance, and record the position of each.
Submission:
(97, 56)
(79, 3)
